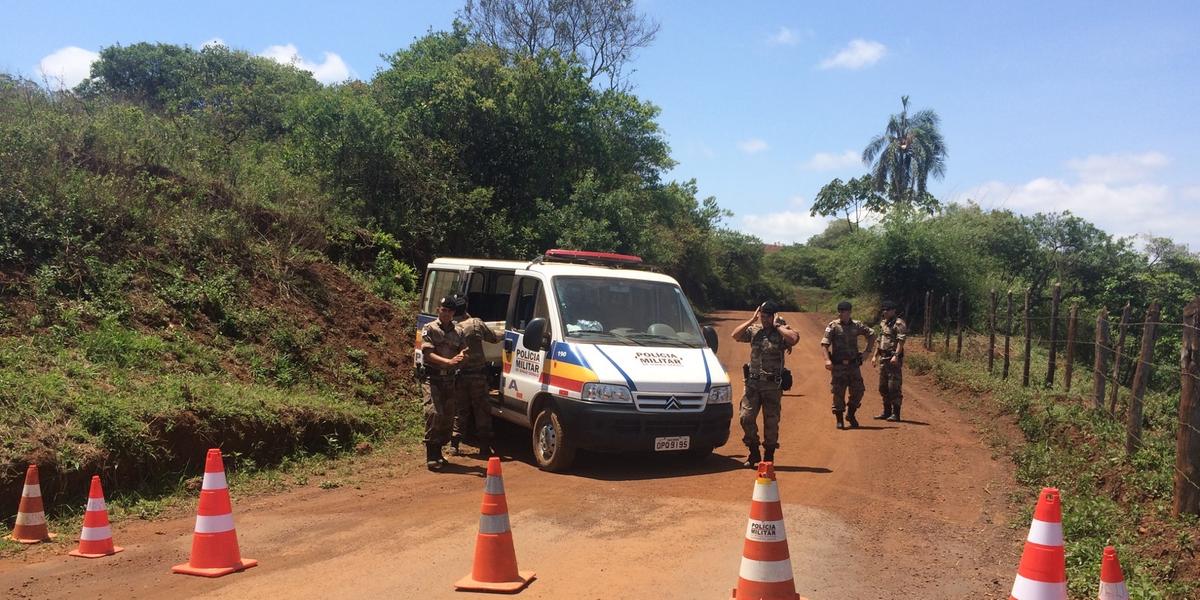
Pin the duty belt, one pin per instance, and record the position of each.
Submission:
(766, 377)
(441, 372)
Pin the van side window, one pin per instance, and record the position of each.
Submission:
(530, 303)
(487, 294)
(438, 285)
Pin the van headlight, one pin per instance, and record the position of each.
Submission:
(604, 392)
(721, 394)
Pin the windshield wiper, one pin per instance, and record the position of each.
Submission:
(583, 332)
(655, 336)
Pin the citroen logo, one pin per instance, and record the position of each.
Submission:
(672, 404)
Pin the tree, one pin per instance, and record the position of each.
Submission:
(905, 155)
(599, 35)
(851, 197)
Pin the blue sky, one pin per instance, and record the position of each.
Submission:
(1082, 106)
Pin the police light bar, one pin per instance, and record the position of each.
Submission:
(592, 257)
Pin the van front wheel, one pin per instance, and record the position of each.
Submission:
(553, 448)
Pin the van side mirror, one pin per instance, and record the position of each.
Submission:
(535, 334)
(710, 337)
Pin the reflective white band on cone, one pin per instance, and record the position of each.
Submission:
(493, 523)
(765, 571)
(96, 504)
(765, 531)
(214, 481)
(36, 518)
(766, 492)
(1028, 589)
(1045, 533)
(92, 534)
(1113, 591)
(214, 524)
(32, 491)
(494, 485)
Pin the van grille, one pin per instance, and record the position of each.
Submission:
(669, 402)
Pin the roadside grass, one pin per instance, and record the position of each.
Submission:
(1108, 498)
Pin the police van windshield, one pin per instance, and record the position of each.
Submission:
(626, 311)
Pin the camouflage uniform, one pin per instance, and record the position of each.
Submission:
(473, 382)
(762, 386)
(846, 359)
(891, 375)
(443, 389)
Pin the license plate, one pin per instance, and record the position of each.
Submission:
(678, 442)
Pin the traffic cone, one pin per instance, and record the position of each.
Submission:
(214, 543)
(95, 540)
(766, 571)
(30, 527)
(1112, 581)
(495, 566)
(1043, 571)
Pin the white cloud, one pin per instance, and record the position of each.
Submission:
(828, 161)
(858, 54)
(66, 67)
(783, 37)
(332, 70)
(1116, 168)
(752, 146)
(788, 226)
(214, 42)
(800, 201)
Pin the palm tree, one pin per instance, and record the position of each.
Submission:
(906, 154)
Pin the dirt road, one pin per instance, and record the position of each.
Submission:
(908, 510)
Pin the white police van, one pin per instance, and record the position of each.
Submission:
(598, 353)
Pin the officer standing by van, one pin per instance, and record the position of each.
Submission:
(843, 359)
(443, 349)
(473, 381)
(890, 354)
(769, 337)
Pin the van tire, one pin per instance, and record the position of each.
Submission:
(553, 448)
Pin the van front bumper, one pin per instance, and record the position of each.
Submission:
(621, 428)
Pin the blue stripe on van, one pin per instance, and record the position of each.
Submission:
(632, 387)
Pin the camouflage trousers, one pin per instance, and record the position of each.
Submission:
(441, 398)
(766, 397)
(473, 405)
(890, 379)
(847, 377)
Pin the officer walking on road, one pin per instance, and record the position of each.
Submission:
(473, 381)
(890, 354)
(842, 359)
(443, 349)
(769, 337)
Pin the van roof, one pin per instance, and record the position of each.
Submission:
(554, 269)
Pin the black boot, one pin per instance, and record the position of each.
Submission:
(433, 456)
(769, 454)
(887, 412)
(850, 417)
(753, 458)
(486, 450)
(895, 414)
(840, 423)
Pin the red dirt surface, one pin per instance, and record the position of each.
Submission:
(909, 510)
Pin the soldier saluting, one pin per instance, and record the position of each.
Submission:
(890, 354)
(769, 337)
(842, 359)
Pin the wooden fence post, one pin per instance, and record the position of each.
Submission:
(1133, 426)
(1069, 359)
(1099, 370)
(1007, 335)
(1055, 298)
(1117, 351)
(1028, 339)
(958, 326)
(1187, 441)
(992, 334)
(946, 307)
(929, 319)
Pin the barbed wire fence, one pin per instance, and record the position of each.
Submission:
(1044, 332)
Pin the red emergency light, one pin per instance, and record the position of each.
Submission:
(583, 256)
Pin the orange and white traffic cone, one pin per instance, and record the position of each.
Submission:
(495, 566)
(30, 527)
(1043, 571)
(95, 540)
(1112, 581)
(214, 544)
(766, 571)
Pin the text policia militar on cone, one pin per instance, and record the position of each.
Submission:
(766, 569)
